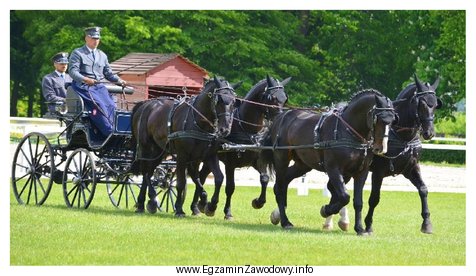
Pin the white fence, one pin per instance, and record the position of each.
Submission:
(47, 126)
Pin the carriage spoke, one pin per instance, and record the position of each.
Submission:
(171, 202)
(24, 186)
(41, 185)
(120, 195)
(26, 157)
(76, 166)
(31, 152)
(84, 198)
(76, 188)
(21, 177)
(29, 191)
(36, 190)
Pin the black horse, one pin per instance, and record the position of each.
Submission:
(415, 105)
(190, 129)
(337, 143)
(263, 102)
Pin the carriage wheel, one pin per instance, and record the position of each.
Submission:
(32, 169)
(79, 179)
(167, 191)
(122, 191)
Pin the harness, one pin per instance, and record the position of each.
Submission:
(407, 146)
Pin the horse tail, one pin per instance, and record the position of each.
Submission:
(265, 160)
(135, 166)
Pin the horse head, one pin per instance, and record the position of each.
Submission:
(223, 104)
(382, 116)
(275, 95)
(424, 103)
(368, 116)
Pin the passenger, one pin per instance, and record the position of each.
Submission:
(88, 66)
(54, 85)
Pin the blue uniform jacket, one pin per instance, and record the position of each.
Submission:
(83, 64)
(54, 87)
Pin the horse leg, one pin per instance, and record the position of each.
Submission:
(204, 172)
(143, 189)
(194, 175)
(415, 177)
(141, 197)
(214, 165)
(229, 190)
(152, 203)
(359, 181)
(344, 221)
(259, 202)
(340, 198)
(328, 224)
(374, 200)
(281, 190)
(181, 188)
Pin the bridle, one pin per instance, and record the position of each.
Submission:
(215, 96)
(269, 94)
(418, 120)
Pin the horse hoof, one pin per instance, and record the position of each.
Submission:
(151, 207)
(196, 213)
(323, 211)
(427, 228)
(256, 204)
(201, 205)
(344, 226)
(275, 217)
(288, 226)
(179, 215)
(208, 211)
(363, 234)
(139, 211)
(228, 217)
(327, 227)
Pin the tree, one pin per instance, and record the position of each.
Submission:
(329, 54)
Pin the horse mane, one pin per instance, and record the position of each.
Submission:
(365, 92)
(409, 89)
(209, 84)
(259, 87)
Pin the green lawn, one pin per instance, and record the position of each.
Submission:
(103, 235)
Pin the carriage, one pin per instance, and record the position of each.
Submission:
(78, 160)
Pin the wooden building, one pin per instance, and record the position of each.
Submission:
(154, 75)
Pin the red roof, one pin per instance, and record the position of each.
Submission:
(142, 63)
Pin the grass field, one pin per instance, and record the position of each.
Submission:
(103, 235)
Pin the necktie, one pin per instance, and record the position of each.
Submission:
(94, 56)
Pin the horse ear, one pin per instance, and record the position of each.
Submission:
(418, 83)
(284, 82)
(236, 85)
(435, 85)
(268, 80)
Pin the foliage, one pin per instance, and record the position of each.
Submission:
(52, 234)
(329, 54)
(453, 126)
(440, 156)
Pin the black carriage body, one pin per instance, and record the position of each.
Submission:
(78, 161)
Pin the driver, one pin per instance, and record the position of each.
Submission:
(89, 66)
(53, 85)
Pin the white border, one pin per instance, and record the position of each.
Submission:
(239, 5)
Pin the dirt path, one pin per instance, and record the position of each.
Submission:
(437, 179)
